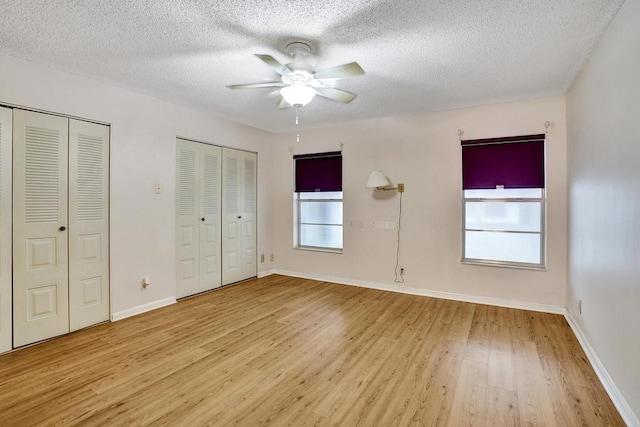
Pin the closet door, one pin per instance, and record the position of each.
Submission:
(249, 257)
(6, 119)
(88, 224)
(40, 264)
(187, 218)
(231, 216)
(209, 196)
(239, 216)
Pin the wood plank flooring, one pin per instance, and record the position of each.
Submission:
(287, 351)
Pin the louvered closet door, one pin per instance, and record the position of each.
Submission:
(239, 215)
(209, 195)
(6, 119)
(187, 218)
(231, 216)
(88, 224)
(248, 220)
(40, 264)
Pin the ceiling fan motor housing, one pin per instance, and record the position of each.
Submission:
(299, 51)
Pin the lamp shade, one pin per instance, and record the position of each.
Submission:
(377, 179)
(298, 94)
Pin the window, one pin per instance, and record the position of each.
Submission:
(504, 201)
(318, 201)
(320, 220)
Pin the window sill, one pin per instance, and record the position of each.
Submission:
(315, 249)
(504, 265)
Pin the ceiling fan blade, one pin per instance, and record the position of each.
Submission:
(283, 105)
(275, 65)
(258, 85)
(340, 72)
(336, 94)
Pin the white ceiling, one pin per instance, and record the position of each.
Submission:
(418, 55)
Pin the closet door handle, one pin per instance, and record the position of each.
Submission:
(62, 228)
(202, 219)
(239, 217)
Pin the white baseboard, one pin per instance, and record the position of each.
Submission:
(266, 273)
(545, 308)
(142, 308)
(618, 399)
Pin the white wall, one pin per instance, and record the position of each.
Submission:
(423, 151)
(604, 187)
(143, 132)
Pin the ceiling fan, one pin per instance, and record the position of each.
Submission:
(300, 82)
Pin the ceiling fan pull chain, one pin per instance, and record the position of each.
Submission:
(297, 125)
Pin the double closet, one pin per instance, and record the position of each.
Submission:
(54, 226)
(54, 223)
(215, 216)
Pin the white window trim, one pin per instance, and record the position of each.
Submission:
(508, 264)
(299, 224)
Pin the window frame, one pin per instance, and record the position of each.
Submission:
(501, 263)
(298, 219)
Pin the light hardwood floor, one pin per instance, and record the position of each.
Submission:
(287, 351)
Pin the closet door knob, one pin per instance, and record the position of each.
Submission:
(202, 219)
(62, 228)
(239, 217)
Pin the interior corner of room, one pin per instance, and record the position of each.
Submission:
(151, 201)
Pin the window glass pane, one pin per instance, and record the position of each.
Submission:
(505, 193)
(321, 212)
(513, 247)
(508, 216)
(321, 236)
(321, 195)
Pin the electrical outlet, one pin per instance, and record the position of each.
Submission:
(402, 271)
(580, 306)
(158, 189)
(401, 188)
(273, 257)
(261, 257)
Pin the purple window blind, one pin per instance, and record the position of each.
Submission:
(514, 162)
(318, 172)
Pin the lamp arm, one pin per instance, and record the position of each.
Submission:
(400, 188)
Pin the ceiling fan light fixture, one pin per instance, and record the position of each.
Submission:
(298, 94)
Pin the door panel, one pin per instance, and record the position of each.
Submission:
(239, 217)
(231, 216)
(40, 263)
(249, 266)
(6, 125)
(88, 224)
(209, 195)
(187, 221)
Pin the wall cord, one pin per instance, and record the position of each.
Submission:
(398, 277)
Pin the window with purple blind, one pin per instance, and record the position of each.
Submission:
(318, 195)
(511, 162)
(503, 182)
(318, 172)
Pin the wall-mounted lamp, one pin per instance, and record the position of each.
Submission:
(378, 181)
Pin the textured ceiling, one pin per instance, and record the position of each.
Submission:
(418, 55)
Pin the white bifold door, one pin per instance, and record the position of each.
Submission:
(215, 216)
(6, 122)
(198, 184)
(238, 215)
(60, 225)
